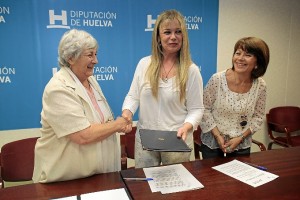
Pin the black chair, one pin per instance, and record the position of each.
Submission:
(285, 122)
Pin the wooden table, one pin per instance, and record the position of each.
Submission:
(40, 191)
(283, 162)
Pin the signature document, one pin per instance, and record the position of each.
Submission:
(245, 173)
(155, 140)
(171, 178)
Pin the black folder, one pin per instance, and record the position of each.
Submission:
(156, 140)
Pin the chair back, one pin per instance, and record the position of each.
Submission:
(197, 142)
(289, 116)
(17, 160)
(128, 141)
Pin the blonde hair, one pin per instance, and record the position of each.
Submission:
(184, 58)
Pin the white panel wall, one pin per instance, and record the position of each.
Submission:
(278, 23)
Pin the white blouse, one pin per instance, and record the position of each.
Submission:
(223, 108)
(166, 112)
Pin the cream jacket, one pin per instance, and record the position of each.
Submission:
(65, 111)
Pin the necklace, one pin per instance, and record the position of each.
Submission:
(243, 119)
(165, 79)
(88, 87)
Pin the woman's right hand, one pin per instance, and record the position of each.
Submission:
(221, 141)
(219, 138)
(122, 123)
(127, 114)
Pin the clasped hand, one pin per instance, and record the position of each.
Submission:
(127, 115)
(228, 146)
(122, 123)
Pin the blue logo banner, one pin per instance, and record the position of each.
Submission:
(31, 30)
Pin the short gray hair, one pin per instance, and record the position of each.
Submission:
(72, 44)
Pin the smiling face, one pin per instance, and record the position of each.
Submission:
(170, 35)
(83, 67)
(243, 61)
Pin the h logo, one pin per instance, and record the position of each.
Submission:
(53, 18)
(150, 22)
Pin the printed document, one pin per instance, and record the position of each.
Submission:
(113, 194)
(119, 194)
(245, 173)
(170, 179)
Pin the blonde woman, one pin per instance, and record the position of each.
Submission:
(167, 88)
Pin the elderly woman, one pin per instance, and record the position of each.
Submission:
(78, 129)
(167, 87)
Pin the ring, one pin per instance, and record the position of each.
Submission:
(228, 149)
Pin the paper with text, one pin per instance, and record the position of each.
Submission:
(245, 173)
(119, 194)
(170, 179)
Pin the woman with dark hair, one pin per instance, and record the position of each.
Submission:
(235, 101)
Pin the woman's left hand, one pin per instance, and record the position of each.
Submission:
(183, 131)
(232, 144)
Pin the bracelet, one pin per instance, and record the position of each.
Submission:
(243, 137)
(217, 135)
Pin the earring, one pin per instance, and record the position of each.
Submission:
(255, 67)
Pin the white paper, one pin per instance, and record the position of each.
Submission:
(67, 198)
(170, 179)
(119, 194)
(245, 173)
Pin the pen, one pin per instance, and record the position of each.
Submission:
(138, 179)
(257, 166)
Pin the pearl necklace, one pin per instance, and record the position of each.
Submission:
(165, 79)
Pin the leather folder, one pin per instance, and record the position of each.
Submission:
(156, 140)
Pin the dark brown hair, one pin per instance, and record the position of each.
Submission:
(259, 49)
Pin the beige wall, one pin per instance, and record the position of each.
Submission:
(275, 21)
(278, 23)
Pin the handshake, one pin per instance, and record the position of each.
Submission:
(125, 122)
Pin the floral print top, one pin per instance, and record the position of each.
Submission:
(224, 108)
